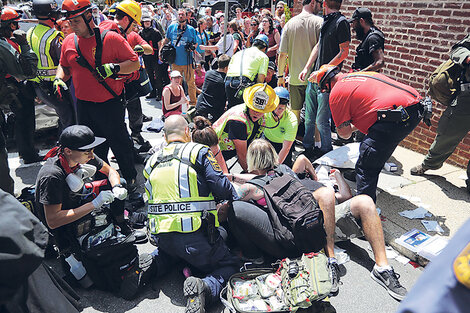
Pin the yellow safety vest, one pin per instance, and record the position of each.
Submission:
(174, 203)
(237, 113)
(40, 38)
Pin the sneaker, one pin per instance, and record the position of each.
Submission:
(341, 142)
(418, 170)
(195, 289)
(389, 280)
(126, 230)
(334, 274)
(33, 159)
(146, 118)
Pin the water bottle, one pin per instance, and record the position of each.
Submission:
(78, 271)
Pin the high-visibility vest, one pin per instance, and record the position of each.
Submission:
(174, 203)
(237, 113)
(40, 39)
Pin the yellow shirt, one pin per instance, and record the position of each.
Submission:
(285, 131)
(254, 62)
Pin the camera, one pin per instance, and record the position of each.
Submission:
(190, 46)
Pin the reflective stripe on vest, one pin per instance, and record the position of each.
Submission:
(237, 113)
(181, 207)
(171, 187)
(40, 39)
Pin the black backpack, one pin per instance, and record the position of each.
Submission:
(294, 213)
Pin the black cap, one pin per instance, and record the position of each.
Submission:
(364, 13)
(79, 137)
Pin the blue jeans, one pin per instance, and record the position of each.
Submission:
(317, 112)
(215, 261)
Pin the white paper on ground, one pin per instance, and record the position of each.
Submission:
(432, 226)
(463, 176)
(342, 157)
(419, 212)
(341, 255)
(391, 253)
(402, 259)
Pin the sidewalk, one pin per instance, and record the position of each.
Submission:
(442, 192)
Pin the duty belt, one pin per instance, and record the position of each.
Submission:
(180, 207)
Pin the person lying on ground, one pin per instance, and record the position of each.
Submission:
(355, 217)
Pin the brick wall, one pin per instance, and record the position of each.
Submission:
(419, 35)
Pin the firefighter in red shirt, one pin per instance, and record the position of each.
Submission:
(127, 15)
(383, 109)
(100, 97)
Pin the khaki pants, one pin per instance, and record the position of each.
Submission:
(188, 73)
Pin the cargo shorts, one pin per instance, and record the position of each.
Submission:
(347, 226)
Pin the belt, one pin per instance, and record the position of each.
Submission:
(180, 207)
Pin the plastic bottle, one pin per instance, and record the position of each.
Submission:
(78, 271)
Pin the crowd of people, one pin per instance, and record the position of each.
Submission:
(243, 89)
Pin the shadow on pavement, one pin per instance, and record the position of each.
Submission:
(451, 191)
(28, 174)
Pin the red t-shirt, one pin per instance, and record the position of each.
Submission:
(357, 99)
(115, 50)
(132, 38)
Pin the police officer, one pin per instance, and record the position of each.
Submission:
(99, 107)
(383, 109)
(183, 183)
(245, 68)
(21, 106)
(46, 42)
(20, 66)
(243, 123)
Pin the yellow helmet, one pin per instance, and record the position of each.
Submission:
(132, 9)
(261, 98)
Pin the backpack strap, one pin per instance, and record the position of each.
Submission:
(98, 54)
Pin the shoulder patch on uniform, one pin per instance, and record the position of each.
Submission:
(462, 266)
(215, 165)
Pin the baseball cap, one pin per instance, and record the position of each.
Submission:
(175, 73)
(359, 13)
(79, 137)
(272, 65)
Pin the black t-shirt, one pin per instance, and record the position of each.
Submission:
(212, 98)
(374, 40)
(51, 187)
(273, 81)
(236, 130)
(334, 31)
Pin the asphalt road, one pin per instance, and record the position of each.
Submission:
(358, 292)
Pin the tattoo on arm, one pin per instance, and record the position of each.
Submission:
(243, 191)
(345, 124)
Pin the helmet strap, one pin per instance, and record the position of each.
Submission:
(87, 22)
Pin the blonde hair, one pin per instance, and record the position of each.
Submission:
(261, 155)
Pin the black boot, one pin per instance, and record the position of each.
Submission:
(196, 290)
